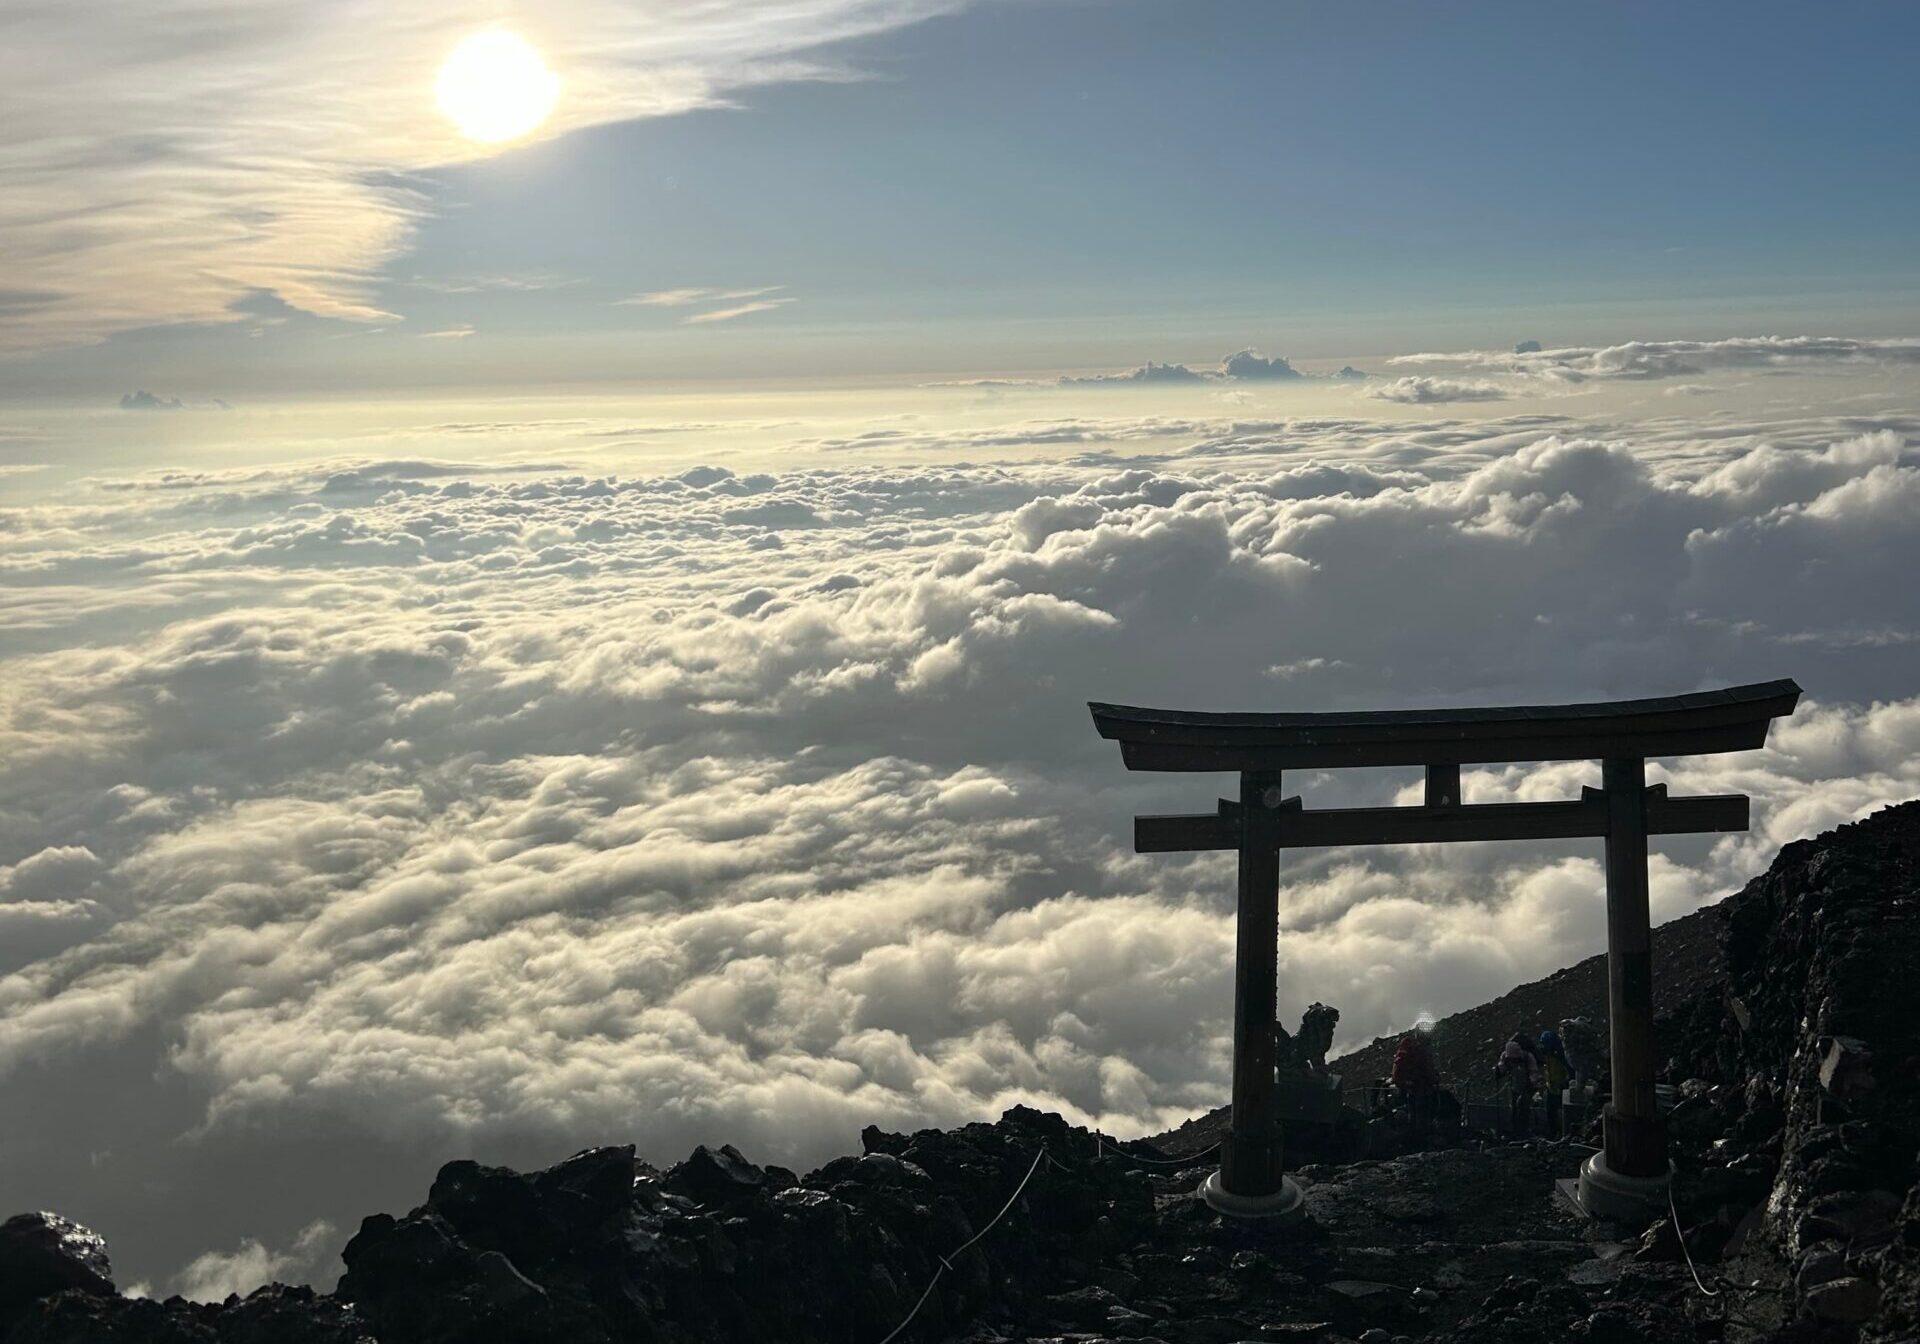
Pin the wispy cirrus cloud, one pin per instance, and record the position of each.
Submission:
(739, 310)
(515, 282)
(151, 170)
(740, 302)
(686, 297)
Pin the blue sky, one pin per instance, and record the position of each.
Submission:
(1066, 184)
(1185, 154)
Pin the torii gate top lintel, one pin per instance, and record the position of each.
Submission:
(1703, 722)
(1262, 821)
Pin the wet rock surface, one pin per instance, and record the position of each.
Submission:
(42, 1254)
(1794, 1130)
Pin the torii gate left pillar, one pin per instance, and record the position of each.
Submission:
(1250, 1155)
(1630, 1175)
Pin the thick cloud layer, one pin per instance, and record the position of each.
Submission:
(362, 815)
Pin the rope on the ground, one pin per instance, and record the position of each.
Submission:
(1681, 1237)
(931, 1283)
(1038, 1158)
(1100, 1150)
(946, 1261)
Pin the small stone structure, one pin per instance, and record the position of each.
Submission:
(1304, 1090)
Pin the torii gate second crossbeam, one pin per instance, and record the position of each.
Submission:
(1632, 1170)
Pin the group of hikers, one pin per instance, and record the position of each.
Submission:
(1527, 1066)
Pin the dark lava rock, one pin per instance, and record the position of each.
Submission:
(275, 1314)
(1810, 1049)
(716, 1176)
(42, 1254)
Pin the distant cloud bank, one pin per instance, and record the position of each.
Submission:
(144, 400)
(1676, 359)
(1243, 366)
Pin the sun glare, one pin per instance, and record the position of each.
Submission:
(495, 87)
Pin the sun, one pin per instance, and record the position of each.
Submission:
(495, 87)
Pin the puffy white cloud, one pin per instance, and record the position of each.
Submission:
(400, 809)
(1418, 390)
(1253, 367)
(214, 1275)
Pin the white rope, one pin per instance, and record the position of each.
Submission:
(917, 1305)
(1100, 1150)
(1681, 1236)
(1038, 1158)
(946, 1261)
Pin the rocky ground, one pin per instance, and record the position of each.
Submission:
(1795, 1136)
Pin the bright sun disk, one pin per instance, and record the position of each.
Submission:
(495, 87)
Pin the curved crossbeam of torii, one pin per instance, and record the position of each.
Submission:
(1621, 735)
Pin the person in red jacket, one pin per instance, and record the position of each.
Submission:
(1416, 1079)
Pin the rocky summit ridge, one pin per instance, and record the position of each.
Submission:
(1794, 1134)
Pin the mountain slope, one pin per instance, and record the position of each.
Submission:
(1686, 956)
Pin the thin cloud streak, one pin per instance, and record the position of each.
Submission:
(728, 314)
(681, 298)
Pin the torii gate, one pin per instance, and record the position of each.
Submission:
(1632, 1170)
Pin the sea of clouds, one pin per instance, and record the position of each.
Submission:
(360, 815)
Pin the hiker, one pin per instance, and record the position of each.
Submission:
(1520, 1071)
(1416, 1079)
(1586, 1047)
(1555, 1070)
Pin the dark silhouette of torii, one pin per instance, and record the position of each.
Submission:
(1632, 1171)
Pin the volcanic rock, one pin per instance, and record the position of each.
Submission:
(42, 1254)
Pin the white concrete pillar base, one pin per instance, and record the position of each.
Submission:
(1286, 1203)
(1605, 1193)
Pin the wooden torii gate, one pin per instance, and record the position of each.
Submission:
(1633, 1169)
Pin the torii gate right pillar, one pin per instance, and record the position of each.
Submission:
(1632, 1171)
